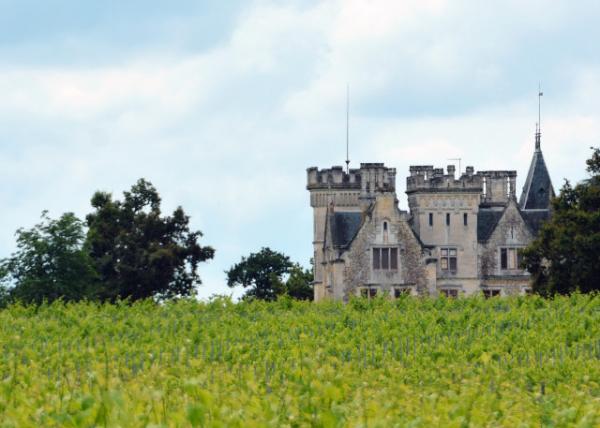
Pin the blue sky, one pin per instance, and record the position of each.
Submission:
(223, 105)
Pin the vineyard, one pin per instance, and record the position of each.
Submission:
(411, 362)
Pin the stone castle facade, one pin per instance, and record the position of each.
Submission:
(462, 234)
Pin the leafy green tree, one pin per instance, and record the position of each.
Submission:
(268, 274)
(566, 254)
(51, 262)
(139, 253)
(262, 273)
(299, 283)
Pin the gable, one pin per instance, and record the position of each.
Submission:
(511, 227)
(383, 226)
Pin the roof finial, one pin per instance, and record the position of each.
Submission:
(347, 127)
(538, 128)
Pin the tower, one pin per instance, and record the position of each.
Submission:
(342, 198)
(537, 191)
(444, 212)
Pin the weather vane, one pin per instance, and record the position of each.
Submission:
(538, 133)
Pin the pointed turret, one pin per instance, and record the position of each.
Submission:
(538, 190)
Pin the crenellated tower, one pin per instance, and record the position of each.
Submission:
(333, 189)
(444, 212)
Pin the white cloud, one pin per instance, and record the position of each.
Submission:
(228, 132)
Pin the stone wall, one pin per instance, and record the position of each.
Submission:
(358, 260)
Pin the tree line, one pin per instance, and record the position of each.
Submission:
(127, 249)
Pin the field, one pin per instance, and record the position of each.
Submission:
(412, 362)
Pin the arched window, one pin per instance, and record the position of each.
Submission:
(385, 226)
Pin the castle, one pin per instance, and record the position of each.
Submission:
(462, 234)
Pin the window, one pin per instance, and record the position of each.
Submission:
(447, 219)
(376, 258)
(394, 258)
(465, 219)
(450, 292)
(385, 226)
(430, 219)
(385, 258)
(510, 258)
(401, 291)
(448, 259)
(368, 292)
(491, 293)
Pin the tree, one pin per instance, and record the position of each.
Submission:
(139, 253)
(298, 285)
(565, 256)
(262, 273)
(269, 274)
(51, 262)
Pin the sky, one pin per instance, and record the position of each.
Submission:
(223, 105)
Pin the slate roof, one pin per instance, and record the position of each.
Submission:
(344, 227)
(487, 220)
(537, 190)
(534, 219)
(534, 204)
(486, 223)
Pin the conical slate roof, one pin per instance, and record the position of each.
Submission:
(538, 189)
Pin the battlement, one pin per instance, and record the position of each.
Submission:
(369, 177)
(497, 174)
(426, 178)
(498, 186)
(332, 178)
(377, 177)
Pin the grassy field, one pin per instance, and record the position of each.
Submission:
(412, 362)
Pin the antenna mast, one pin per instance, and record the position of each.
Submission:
(347, 128)
(459, 165)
